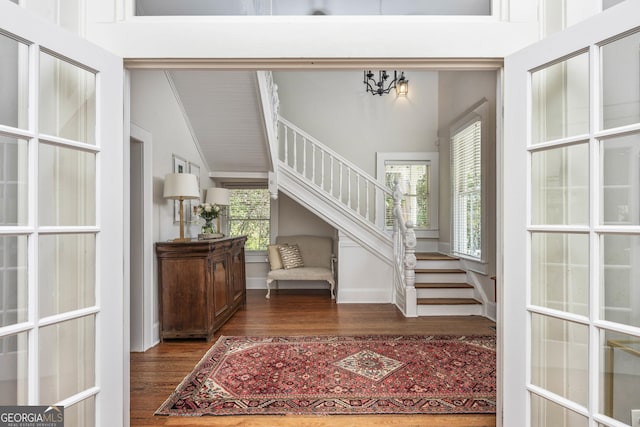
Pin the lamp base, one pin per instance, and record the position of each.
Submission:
(181, 240)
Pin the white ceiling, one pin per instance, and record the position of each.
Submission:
(223, 109)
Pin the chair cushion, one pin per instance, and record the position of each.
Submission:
(303, 273)
(273, 253)
(290, 256)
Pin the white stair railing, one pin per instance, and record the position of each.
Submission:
(337, 177)
(358, 192)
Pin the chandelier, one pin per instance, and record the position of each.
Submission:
(401, 84)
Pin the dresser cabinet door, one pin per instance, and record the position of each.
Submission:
(184, 311)
(237, 281)
(219, 269)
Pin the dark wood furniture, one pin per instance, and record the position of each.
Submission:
(202, 284)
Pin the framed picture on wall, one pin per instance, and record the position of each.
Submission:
(179, 166)
(195, 170)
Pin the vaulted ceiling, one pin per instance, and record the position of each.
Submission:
(224, 113)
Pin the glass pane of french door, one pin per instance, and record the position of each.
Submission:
(584, 239)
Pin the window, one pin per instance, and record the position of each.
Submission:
(417, 174)
(415, 183)
(250, 215)
(466, 179)
(303, 8)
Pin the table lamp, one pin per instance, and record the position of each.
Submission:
(181, 186)
(218, 196)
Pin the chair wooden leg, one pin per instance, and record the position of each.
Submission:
(268, 288)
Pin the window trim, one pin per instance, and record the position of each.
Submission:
(479, 111)
(433, 232)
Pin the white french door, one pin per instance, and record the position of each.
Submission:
(61, 222)
(570, 314)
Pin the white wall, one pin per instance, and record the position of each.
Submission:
(295, 219)
(362, 276)
(287, 37)
(155, 109)
(459, 92)
(333, 107)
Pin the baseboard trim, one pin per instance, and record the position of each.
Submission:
(363, 296)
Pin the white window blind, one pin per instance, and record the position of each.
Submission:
(466, 176)
(414, 178)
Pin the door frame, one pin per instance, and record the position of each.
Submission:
(146, 323)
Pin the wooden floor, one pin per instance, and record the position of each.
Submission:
(157, 372)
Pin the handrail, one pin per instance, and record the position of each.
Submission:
(335, 175)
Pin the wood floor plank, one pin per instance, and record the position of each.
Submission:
(157, 372)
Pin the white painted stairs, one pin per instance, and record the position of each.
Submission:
(442, 288)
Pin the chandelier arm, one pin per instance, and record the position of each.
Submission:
(378, 88)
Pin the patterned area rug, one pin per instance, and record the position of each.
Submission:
(340, 375)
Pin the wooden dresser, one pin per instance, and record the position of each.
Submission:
(202, 284)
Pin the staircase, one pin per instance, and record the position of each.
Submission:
(442, 288)
(352, 201)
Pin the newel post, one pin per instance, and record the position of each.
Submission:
(410, 242)
(405, 252)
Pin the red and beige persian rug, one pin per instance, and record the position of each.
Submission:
(327, 375)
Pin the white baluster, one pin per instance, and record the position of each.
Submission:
(331, 166)
(341, 181)
(358, 204)
(313, 163)
(366, 199)
(295, 151)
(304, 156)
(286, 144)
(349, 188)
(322, 171)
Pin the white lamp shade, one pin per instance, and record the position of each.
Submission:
(218, 196)
(181, 186)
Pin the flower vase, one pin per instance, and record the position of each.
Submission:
(208, 231)
(207, 228)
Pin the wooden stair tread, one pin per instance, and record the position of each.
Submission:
(434, 256)
(448, 301)
(439, 270)
(442, 285)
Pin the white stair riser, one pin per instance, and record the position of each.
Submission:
(445, 293)
(441, 277)
(450, 310)
(438, 264)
